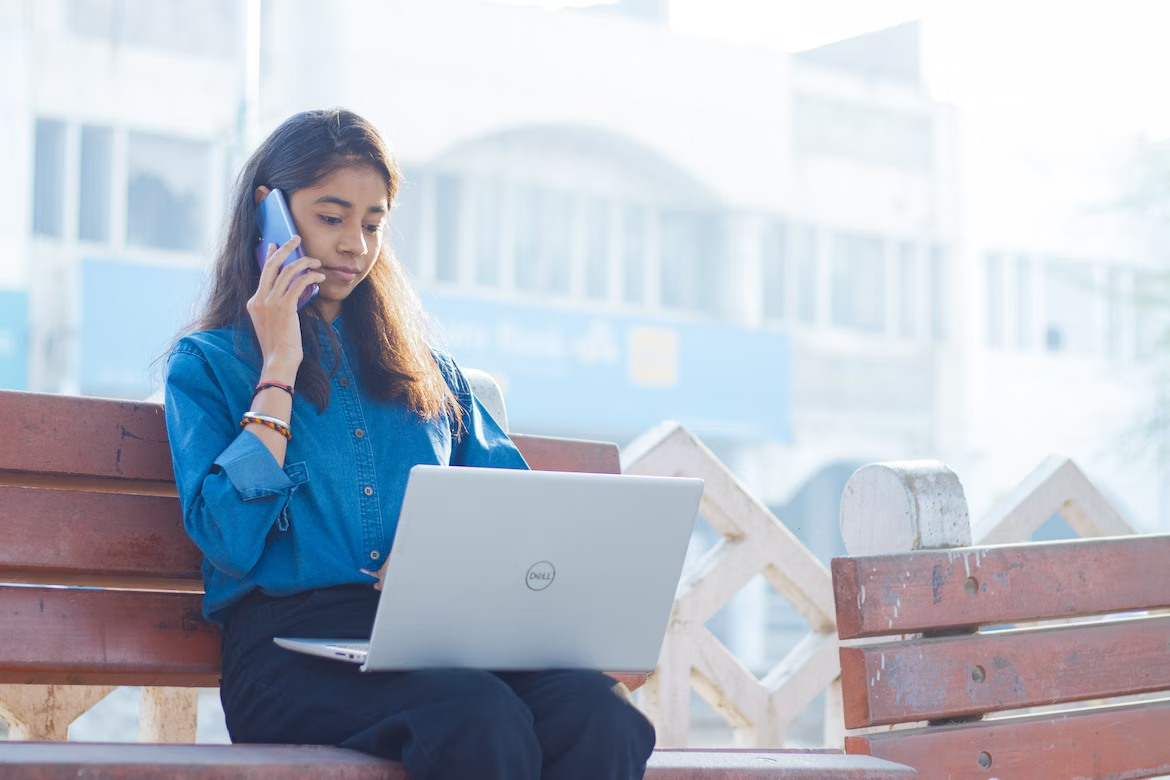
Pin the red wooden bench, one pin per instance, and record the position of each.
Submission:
(958, 671)
(87, 500)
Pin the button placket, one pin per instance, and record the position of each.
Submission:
(370, 505)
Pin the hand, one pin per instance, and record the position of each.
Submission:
(273, 309)
(380, 574)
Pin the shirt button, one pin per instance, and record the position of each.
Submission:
(369, 491)
(359, 433)
(374, 554)
(344, 381)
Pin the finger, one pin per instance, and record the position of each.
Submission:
(274, 258)
(363, 571)
(300, 283)
(285, 279)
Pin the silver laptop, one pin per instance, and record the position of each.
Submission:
(503, 569)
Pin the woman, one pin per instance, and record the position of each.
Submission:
(292, 436)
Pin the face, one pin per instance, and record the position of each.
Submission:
(340, 220)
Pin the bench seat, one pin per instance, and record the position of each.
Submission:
(93, 761)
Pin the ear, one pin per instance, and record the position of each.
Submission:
(261, 193)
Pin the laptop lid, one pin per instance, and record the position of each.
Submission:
(508, 570)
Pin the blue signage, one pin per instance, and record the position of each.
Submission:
(583, 372)
(13, 340)
(562, 370)
(130, 314)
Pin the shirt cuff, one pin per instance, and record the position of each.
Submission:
(253, 470)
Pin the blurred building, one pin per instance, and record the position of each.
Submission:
(623, 225)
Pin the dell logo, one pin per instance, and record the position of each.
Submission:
(540, 575)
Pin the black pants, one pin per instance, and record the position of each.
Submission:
(446, 723)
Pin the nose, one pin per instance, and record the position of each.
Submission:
(353, 242)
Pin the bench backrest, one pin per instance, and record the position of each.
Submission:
(980, 651)
(88, 501)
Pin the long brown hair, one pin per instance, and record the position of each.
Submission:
(383, 315)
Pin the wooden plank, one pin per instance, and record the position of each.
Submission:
(546, 453)
(97, 437)
(95, 534)
(85, 437)
(1125, 741)
(94, 637)
(756, 764)
(106, 637)
(58, 761)
(932, 679)
(935, 590)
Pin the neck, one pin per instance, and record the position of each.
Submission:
(330, 310)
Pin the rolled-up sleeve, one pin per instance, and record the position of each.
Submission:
(230, 486)
(478, 440)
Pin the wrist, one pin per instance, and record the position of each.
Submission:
(282, 371)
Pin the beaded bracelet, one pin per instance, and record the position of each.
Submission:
(280, 426)
(264, 385)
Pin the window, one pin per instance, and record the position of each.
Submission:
(1114, 313)
(634, 255)
(940, 302)
(596, 249)
(49, 179)
(1068, 307)
(908, 289)
(1024, 304)
(447, 203)
(167, 194)
(405, 222)
(858, 283)
(688, 262)
(93, 218)
(804, 255)
(203, 28)
(489, 217)
(1152, 321)
(543, 248)
(773, 262)
(993, 292)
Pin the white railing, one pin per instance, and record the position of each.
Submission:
(1056, 485)
(45, 712)
(753, 542)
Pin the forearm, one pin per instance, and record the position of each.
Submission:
(274, 402)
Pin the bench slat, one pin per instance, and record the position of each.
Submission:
(58, 761)
(1118, 741)
(84, 437)
(94, 534)
(545, 453)
(96, 437)
(929, 591)
(932, 679)
(56, 636)
(61, 636)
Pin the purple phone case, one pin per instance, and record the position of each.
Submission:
(277, 227)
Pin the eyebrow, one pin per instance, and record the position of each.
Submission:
(345, 204)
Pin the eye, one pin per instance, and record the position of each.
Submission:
(330, 220)
(373, 228)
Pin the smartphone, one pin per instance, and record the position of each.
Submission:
(277, 227)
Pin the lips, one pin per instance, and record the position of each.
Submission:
(341, 274)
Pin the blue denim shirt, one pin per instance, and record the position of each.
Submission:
(332, 510)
